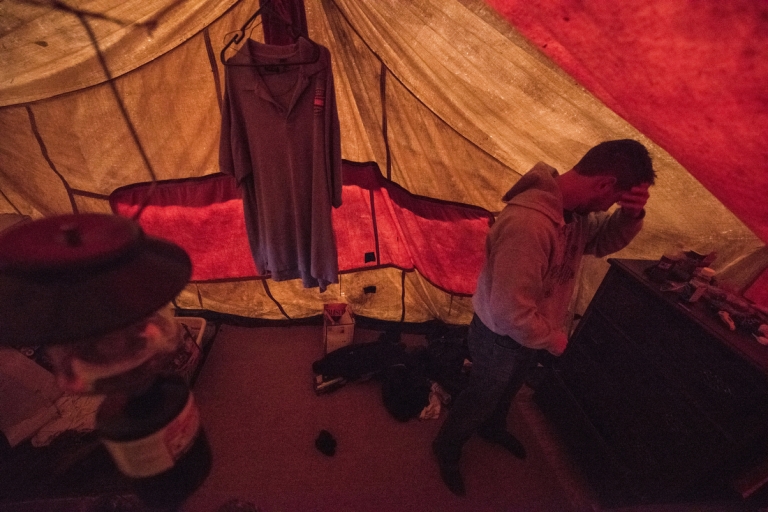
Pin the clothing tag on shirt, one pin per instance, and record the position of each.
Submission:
(319, 100)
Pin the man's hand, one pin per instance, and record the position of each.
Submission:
(633, 201)
(559, 342)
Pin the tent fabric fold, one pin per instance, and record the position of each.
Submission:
(379, 224)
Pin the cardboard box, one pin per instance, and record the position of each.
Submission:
(188, 356)
(338, 326)
(194, 328)
(323, 385)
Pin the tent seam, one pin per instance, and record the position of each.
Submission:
(214, 66)
(93, 195)
(384, 128)
(10, 202)
(402, 296)
(375, 227)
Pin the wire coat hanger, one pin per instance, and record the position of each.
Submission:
(241, 35)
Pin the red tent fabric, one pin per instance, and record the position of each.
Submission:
(692, 76)
(379, 224)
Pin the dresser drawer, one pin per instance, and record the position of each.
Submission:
(729, 392)
(639, 414)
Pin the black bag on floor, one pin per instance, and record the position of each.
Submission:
(357, 360)
(443, 360)
(404, 391)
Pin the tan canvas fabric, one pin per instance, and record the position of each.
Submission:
(469, 106)
(48, 52)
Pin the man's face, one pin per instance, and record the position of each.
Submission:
(604, 194)
(610, 197)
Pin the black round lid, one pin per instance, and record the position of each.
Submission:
(74, 277)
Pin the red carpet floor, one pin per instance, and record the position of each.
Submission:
(262, 417)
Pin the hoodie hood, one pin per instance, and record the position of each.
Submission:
(538, 190)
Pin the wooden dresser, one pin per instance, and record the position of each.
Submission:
(655, 397)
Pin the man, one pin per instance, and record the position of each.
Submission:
(533, 253)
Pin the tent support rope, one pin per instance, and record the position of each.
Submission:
(123, 111)
(269, 294)
(44, 151)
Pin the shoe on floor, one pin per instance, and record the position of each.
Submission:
(452, 479)
(449, 472)
(507, 440)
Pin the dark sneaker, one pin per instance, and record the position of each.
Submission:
(452, 479)
(506, 440)
(449, 472)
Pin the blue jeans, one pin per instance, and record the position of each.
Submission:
(500, 366)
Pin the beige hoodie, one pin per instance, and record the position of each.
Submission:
(532, 257)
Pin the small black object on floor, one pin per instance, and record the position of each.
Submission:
(326, 443)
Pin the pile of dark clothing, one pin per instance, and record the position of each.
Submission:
(406, 376)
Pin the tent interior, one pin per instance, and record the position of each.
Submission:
(452, 100)
(443, 105)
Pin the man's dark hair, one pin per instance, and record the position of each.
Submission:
(627, 160)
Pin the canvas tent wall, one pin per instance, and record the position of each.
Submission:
(445, 96)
